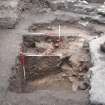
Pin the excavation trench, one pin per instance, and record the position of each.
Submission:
(49, 60)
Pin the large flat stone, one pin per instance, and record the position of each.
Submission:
(97, 91)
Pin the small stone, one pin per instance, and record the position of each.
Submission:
(83, 85)
(102, 47)
(64, 75)
(75, 86)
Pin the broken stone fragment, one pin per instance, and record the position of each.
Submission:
(101, 10)
(86, 46)
(96, 19)
(84, 66)
(65, 60)
(75, 83)
(82, 2)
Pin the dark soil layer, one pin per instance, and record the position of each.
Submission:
(39, 67)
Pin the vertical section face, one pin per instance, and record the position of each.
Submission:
(39, 66)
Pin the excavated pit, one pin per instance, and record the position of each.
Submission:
(52, 61)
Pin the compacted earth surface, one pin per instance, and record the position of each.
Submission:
(68, 87)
